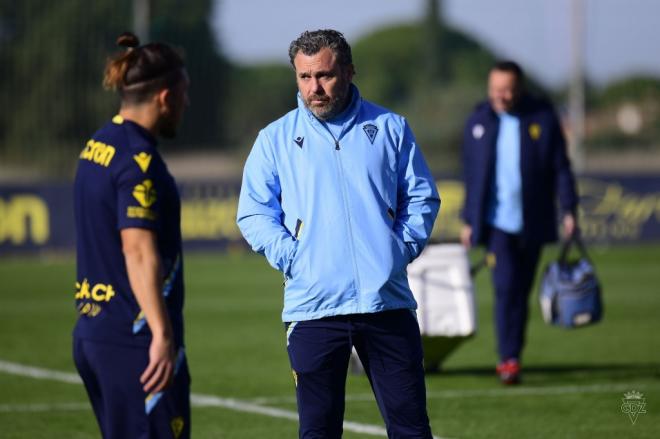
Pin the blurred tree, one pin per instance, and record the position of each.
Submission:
(185, 23)
(50, 92)
(53, 55)
(391, 62)
(258, 95)
(634, 88)
(392, 70)
(624, 115)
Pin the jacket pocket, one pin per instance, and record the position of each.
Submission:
(297, 233)
(400, 253)
(390, 214)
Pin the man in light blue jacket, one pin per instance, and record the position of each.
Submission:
(337, 196)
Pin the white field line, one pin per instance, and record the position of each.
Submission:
(35, 408)
(38, 373)
(250, 407)
(196, 400)
(478, 393)
(207, 400)
(539, 391)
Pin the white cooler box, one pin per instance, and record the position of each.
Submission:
(440, 281)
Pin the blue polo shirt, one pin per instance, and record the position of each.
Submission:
(122, 182)
(505, 205)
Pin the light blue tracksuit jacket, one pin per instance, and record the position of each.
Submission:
(340, 217)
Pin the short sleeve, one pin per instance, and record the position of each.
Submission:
(138, 194)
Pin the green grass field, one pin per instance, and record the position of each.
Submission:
(573, 388)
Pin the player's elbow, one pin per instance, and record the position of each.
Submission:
(138, 244)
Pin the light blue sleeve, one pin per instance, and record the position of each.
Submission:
(418, 201)
(260, 213)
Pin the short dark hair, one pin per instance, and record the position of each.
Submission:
(311, 43)
(511, 67)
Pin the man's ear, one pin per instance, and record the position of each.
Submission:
(350, 71)
(162, 98)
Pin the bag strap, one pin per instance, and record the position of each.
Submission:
(476, 268)
(566, 247)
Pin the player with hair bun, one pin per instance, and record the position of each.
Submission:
(128, 343)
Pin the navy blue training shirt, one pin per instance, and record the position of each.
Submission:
(122, 182)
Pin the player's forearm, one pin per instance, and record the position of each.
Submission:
(145, 276)
(145, 282)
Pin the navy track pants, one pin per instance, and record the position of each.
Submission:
(389, 346)
(513, 276)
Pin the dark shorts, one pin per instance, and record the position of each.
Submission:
(111, 374)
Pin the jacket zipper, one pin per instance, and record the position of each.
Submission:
(347, 214)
